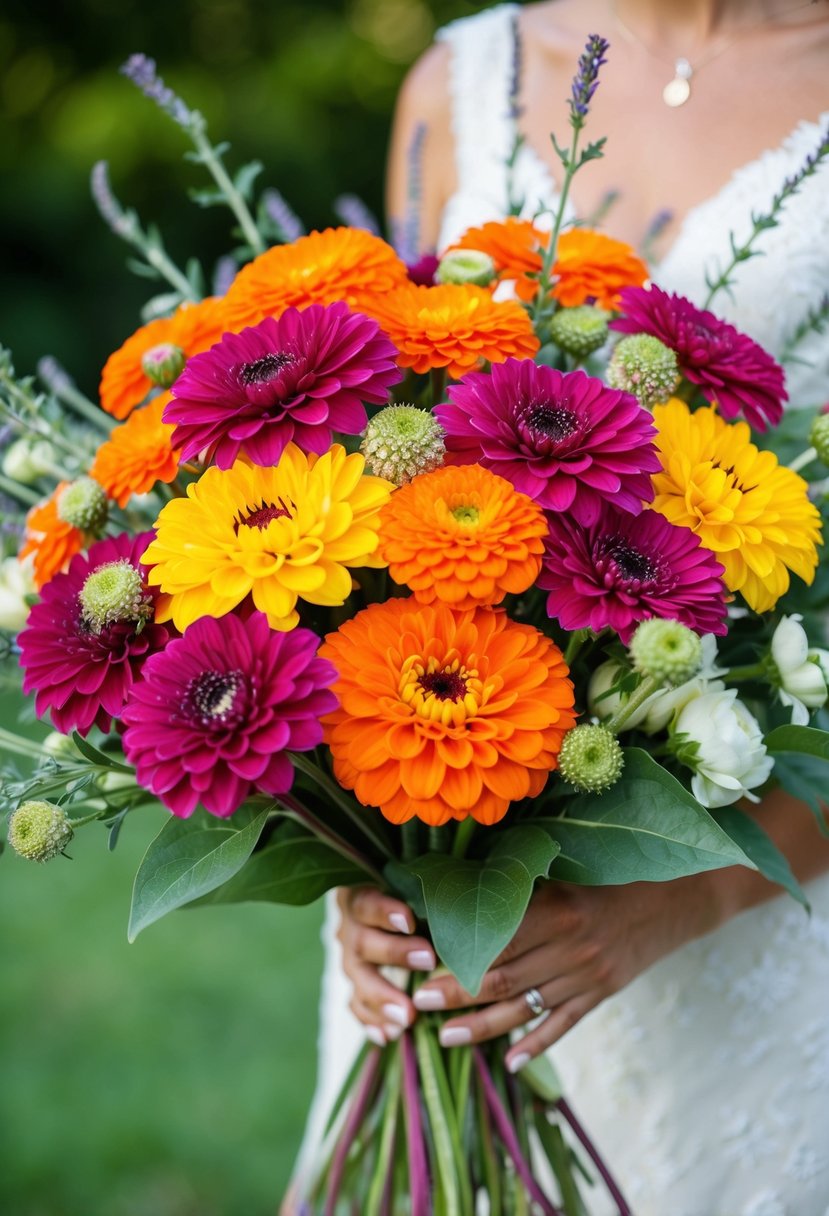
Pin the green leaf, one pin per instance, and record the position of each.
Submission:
(647, 827)
(188, 858)
(762, 850)
(245, 177)
(99, 757)
(807, 779)
(474, 907)
(801, 740)
(294, 870)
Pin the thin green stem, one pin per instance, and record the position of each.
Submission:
(166, 267)
(646, 687)
(234, 199)
(803, 459)
(34, 426)
(410, 835)
(21, 746)
(574, 645)
(15, 490)
(80, 403)
(751, 671)
(438, 383)
(301, 813)
(338, 796)
(549, 256)
(463, 837)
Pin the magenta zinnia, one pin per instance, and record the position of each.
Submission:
(731, 370)
(624, 569)
(218, 711)
(564, 439)
(89, 635)
(295, 378)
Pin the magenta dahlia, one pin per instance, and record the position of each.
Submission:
(293, 378)
(563, 438)
(89, 635)
(216, 713)
(731, 370)
(623, 569)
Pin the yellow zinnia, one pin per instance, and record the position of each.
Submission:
(277, 534)
(748, 509)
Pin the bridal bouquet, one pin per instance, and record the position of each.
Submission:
(447, 578)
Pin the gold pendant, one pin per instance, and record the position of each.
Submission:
(678, 90)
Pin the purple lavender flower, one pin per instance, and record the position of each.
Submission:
(406, 229)
(280, 213)
(514, 108)
(353, 212)
(140, 69)
(123, 223)
(586, 79)
(223, 274)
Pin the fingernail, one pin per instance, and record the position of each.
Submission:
(392, 1032)
(515, 1063)
(396, 1013)
(398, 921)
(421, 960)
(455, 1036)
(429, 998)
(376, 1035)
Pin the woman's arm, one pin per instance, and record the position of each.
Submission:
(423, 105)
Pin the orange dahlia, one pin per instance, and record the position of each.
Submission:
(338, 264)
(591, 266)
(192, 327)
(444, 714)
(51, 540)
(452, 326)
(462, 535)
(514, 246)
(137, 454)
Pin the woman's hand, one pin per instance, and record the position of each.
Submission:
(576, 946)
(376, 931)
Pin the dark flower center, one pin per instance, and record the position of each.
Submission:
(262, 516)
(633, 565)
(211, 696)
(444, 685)
(266, 368)
(553, 422)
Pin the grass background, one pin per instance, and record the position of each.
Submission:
(166, 1078)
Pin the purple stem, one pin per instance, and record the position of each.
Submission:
(351, 1128)
(593, 1154)
(507, 1133)
(418, 1167)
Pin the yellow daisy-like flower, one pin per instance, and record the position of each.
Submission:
(749, 510)
(277, 534)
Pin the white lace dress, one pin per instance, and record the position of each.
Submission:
(705, 1083)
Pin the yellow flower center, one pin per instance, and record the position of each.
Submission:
(466, 515)
(441, 690)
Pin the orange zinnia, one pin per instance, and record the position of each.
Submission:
(453, 326)
(52, 541)
(192, 327)
(444, 714)
(515, 247)
(462, 535)
(338, 264)
(591, 266)
(137, 454)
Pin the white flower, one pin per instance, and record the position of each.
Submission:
(731, 758)
(27, 459)
(664, 704)
(803, 673)
(16, 582)
(603, 703)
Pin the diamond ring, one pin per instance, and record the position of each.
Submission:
(534, 1002)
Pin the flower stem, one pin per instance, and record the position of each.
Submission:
(574, 645)
(20, 746)
(463, 837)
(351, 1128)
(751, 671)
(593, 1154)
(22, 493)
(323, 832)
(803, 459)
(646, 688)
(73, 397)
(438, 381)
(550, 249)
(415, 1142)
(336, 794)
(214, 166)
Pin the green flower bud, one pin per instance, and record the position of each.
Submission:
(39, 831)
(26, 460)
(466, 266)
(644, 366)
(579, 331)
(163, 364)
(83, 504)
(591, 758)
(402, 441)
(819, 437)
(666, 650)
(59, 746)
(114, 592)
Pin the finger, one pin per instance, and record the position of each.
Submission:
(373, 908)
(390, 949)
(365, 1014)
(500, 983)
(390, 1006)
(557, 1022)
(503, 1016)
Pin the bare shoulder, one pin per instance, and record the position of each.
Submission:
(425, 93)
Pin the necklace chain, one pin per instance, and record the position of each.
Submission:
(677, 91)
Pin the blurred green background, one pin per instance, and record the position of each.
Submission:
(171, 1077)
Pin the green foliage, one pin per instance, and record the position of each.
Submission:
(188, 858)
(757, 845)
(474, 906)
(647, 827)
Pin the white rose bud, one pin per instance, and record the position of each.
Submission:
(16, 583)
(802, 673)
(603, 704)
(729, 758)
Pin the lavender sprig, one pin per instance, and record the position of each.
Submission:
(141, 70)
(406, 229)
(282, 216)
(767, 219)
(62, 386)
(514, 108)
(224, 273)
(353, 212)
(586, 79)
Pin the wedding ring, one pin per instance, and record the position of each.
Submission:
(534, 1002)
